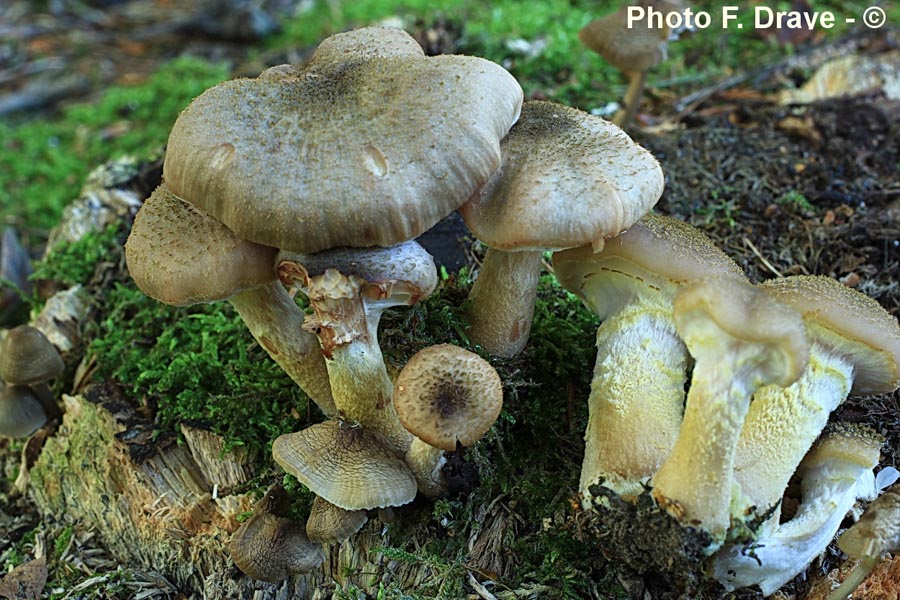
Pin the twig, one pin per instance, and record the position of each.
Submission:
(762, 258)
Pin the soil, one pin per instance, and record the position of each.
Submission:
(803, 189)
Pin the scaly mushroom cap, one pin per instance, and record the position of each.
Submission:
(717, 306)
(447, 395)
(330, 524)
(655, 250)
(635, 48)
(346, 466)
(849, 323)
(365, 147)
(27, 357)
(272, 548)
(21, 413)
(877, 531)
(180, 256)
(568, 178)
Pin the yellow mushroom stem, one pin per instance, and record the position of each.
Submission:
(276, 323)
(782, 425)
(502, 301)
(348, 333)
(632, 100)
(635, 406)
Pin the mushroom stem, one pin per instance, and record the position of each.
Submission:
(859, 574)
(636, 81)
(502, 301)
(835, 472)
(426, 463)
(635, 406)
(276, 322)
(45, 396)
(783, 423)
(741, 339)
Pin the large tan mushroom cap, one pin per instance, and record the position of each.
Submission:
(568, 178)
(850, 323)
(346, 466)
(27, 357)
(447, 395)
(180, 256)
(657, 247)
(365, 43)
(370, 150)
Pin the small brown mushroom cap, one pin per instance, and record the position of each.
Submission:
(180, 256)
(635, 48)
(27, 357)
(362, 148)
(850, 323)
(447, 395)
(878, 530)
(567, 179)
(271, 548)
(21, 413)
(345, 465)
(330, 524)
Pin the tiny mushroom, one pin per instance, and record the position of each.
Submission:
(330, 524)
(876, 533)
(741, 339)
(854, 351)
(567, 179)
(21, 414)
(445, 396)
(370, 144)
(637, 392)
(269, 547)
(180, 256)
(632, 47)
(27, 357)
(346, 465)
(833, 474)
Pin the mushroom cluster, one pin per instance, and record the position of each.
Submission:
(764, 367)
(28, 360)
(315, 179)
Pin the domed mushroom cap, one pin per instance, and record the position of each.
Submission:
(568, 178)
(330, 524)
(27, 357)
(180, 256)
(21, 413)
(447, 395)
(346, 466)
(850, 323)
(362, 148)
(365, 43)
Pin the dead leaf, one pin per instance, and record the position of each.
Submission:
(25, 582)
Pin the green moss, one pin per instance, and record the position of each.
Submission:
(75, 263)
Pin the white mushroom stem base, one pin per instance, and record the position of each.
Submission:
(829, 491)
(426, 462)
(502, 301)
(635, 406)
(695, 483)
(276, 323)
(783, 423)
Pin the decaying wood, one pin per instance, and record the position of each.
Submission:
(152, 506)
